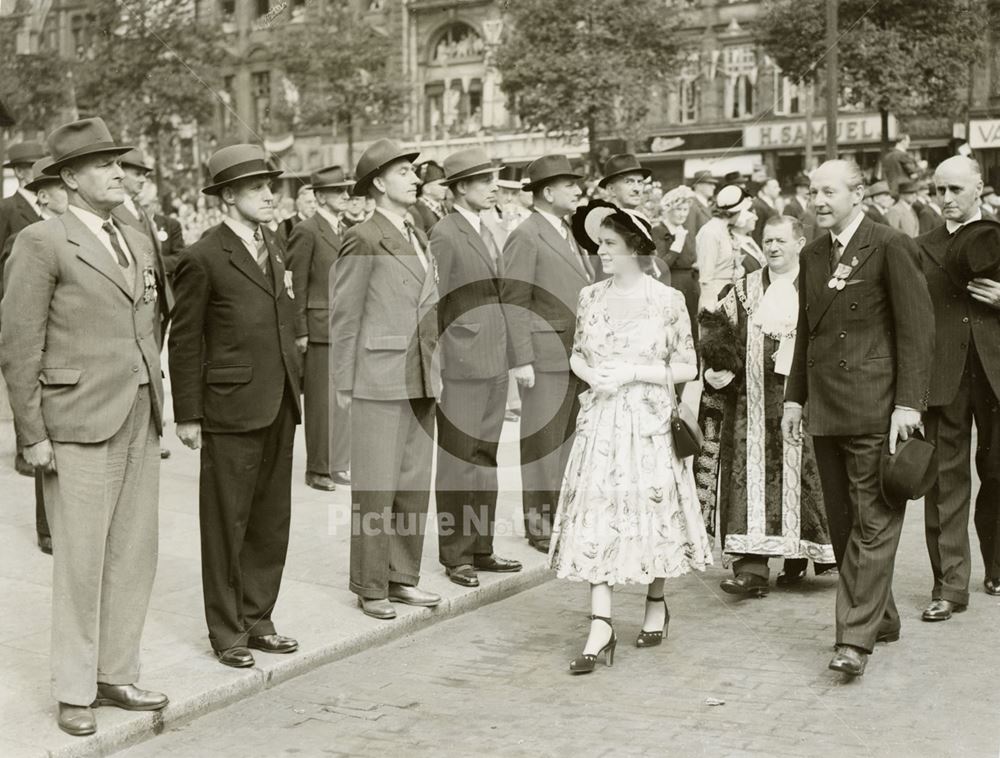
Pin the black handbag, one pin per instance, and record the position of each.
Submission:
(684, 429)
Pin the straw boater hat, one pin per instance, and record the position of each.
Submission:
(237, 162)
(371, 163)
(24, 154)
(586, 225)
(543, 170)
(41, 180)
(77, 139)
(466, 164)
(509, 178)
(617, 165)
(331, 177)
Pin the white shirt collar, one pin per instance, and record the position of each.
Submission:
(330, 218)
(472, 218)
(848, 233)
(555, 221)
(954, 226)
(395, 219)
(132, 208)
(244, 232)
(95, 224)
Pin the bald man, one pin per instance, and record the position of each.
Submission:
(965, 385)
(863, 349)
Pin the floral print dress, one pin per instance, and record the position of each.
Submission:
(628, 509)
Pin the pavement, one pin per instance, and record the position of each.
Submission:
(734, 678)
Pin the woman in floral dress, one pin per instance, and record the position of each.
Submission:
(628, 510)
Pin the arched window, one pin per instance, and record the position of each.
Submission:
(457, 42)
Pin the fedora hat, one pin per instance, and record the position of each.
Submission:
(626, 163)
(587, 220)
(879, 188)
(733, 177)
(910, 473)
(135, 159)
(801, 180)
(378, 155)
(974, 251)
(88, 136)
(732, 199)
(429, 171)
(907, 188)
(547, 168)
(509, 177)
(41, 179)
(467, 163)
(237, 162)
(704, 177)
(24, 153)
(331, 177)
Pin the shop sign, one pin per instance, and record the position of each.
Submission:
(851, 130)
(984, 133)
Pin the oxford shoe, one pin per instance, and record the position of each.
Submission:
(410, 595)
(463, 575)
(496, 564)
(849, 660)
(541, 544)
(745, 585)
(273, 643)
(887, 636)
(77, 720)
(790, 578)
(164, 453)
(379, 608)
(238, 656)
(129, 697)
(941, 610)
(992, 586)
(320, 482)
(342, 477)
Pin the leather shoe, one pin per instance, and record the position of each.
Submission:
(992, 586)
(825, 568)
(273, 643)
(463, 575)
(496, 564)
(22, 467)
(77, 720)
(239, 657)
(320, 482)
(789, 578)
(849, 660)
(891, 635)
(410, 595)
(164, 453)
(747, 585)
(342, 477)
(941, 610)
(541, 544)
(377, 609)
(129, 697)
(45, 544)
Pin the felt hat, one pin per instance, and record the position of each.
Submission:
(24, 153)
(467, 163)
(77, 139)
(237, 162)
(547, 168)
(509, 178)
(910, 473)
(876, 189)
(704, 177)
(373, 160)
(974, 251)
(617, 165)
(135, 159)
(41, 179)
(331, 177)
(801, 180)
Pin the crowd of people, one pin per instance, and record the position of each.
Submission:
(404, 312)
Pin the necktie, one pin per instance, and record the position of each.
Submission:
(574, 251)
(491, 246)
(112, 233)
(835, 252)
(258, 239)
(411, 236)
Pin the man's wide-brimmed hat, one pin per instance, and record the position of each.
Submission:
(466, 164)
(547, 168)
(617, 165)
(704, 177)
(237, 162)
(378, 155)
(907, 188)
(41, 179)
(136, 159)
(429, 171)
(24, 154)
(77, 139)
(974, 251)
(879, 188)
(331, 177)
(801, 180)
(732, 199)
(586, 225)
(910, 473)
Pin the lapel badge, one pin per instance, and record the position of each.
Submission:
(854, 261)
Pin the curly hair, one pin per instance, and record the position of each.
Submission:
(635, 241)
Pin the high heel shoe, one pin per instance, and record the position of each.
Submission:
(652, 639)
(584, 663)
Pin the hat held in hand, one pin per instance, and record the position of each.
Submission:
(974, 251)
(910, 473)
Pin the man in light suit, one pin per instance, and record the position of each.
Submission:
(79, 352)
(474, 371)
(235, 374)
(384, 331)
(965, 387)
(903, 216)
(545, 272)
(863, 350)
(312, 252)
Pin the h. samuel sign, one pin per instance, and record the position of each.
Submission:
(851, 130)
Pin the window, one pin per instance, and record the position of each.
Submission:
(261, 88)
(689, 90)
(788, 95)
(458, 42)
(740, 69)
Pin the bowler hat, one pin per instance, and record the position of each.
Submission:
(626, 163)
(237, 162)
(88, 136)
(509, 177)
(910, 472)
(24, 153)
(378, 155)
(586, 225)
(732, 199)
(41, 179)
(704, 177)
(879, 188)
(467, 163)
(331, 177)
(974, 251)
(135, 159)
(547, 168)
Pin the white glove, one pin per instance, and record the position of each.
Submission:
(718, 379)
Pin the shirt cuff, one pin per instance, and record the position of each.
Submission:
(792, 404)
(906, 408)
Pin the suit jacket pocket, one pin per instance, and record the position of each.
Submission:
(462, 328)
(541, 325)
(387, 342)
(229, 374)
(59, 377)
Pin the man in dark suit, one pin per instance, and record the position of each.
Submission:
(545, 272)
(879, 201)
(704, 186)
(16, 212)
(898, 165)
(384, 332)
(929, 215)
(429, 208)
(312, 251)
(80, 356)
(798, 205)
(235, 372)
(171, 237)
(863, 348)
(765, 206)
(473, 370)
(306, 205)
(965, 385)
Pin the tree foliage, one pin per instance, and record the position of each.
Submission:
(572, 65)
(895, 56)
